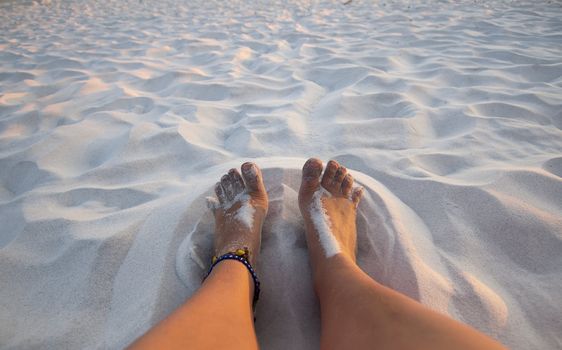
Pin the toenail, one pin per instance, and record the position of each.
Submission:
(312, 160)
(313, 164)
(249, 169)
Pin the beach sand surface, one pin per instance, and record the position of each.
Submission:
(118, 117)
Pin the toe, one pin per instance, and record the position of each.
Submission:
(253, 178)
(238, 183)
(220, 193)
(311, 175)
(338, 178)
(356, 195)
(347, 185)
(228, 187)
(328, 177)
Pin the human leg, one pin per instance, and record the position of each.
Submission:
(356, 311)
(220, 313)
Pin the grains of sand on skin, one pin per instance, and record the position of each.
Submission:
(244, 214)
(322, 224)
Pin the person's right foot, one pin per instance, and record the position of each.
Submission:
(329, 209)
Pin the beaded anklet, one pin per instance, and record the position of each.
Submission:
(241, 255)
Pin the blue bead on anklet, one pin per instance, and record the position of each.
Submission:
(243, 259)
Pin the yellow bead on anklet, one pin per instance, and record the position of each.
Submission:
(240, 252)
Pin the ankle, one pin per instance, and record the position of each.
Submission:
(332, 271)
(234, 275)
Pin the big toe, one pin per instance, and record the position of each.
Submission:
(311, 172)
(254, 180)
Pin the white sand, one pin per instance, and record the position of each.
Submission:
(322, 223)
(117, 118)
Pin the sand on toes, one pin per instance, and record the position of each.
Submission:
(328, 204)
(240, 209)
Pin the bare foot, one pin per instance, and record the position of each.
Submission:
(329, 209)
(240, 211)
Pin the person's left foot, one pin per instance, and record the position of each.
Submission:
(240, 211)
